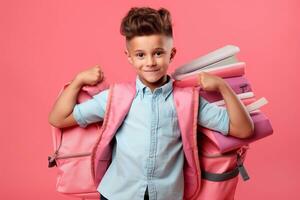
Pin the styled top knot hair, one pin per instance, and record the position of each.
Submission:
(146, 21)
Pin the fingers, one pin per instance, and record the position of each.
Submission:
(99, 73)
(200, 79)
(97, 68)
(101, 76)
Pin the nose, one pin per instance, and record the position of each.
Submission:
(150, 61)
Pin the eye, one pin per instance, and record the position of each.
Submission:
(139, 55)
(159, 53)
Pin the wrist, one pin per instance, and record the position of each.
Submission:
(222, 86)
(77, 82)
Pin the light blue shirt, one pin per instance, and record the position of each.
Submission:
(148, 149)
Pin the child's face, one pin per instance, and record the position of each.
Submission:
(150, 56)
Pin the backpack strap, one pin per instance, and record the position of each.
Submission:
(119, 101)
(218, 177)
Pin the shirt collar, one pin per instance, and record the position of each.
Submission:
(166, 89)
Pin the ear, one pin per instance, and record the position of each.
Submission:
(128, 56)
(173, 53)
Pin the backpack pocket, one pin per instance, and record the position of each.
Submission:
(219, 174)
(73, 170)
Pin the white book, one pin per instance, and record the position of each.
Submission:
(226, 61)
(257, 104)
(224, 54)
(205, 69)
(241, 96)
(252, 107)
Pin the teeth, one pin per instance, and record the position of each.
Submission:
(152, 71)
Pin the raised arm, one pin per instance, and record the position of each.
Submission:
(61, 115)
(241, 124)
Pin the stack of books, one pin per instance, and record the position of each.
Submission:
(224, 63)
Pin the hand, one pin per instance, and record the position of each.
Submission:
(209, 82)
(91, 76)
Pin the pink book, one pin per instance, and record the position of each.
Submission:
(262, 129)
(239, 85)
(191, 79)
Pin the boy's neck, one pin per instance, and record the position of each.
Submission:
(156, 84)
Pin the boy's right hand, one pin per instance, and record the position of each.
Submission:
(91, 76)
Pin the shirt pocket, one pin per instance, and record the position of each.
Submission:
(168, 122)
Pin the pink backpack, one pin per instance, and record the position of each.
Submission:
(82, 159)
(73, 150)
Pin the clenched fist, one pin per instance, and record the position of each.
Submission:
(209, 82)
(91, 76)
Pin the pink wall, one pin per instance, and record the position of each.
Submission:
(45, 43)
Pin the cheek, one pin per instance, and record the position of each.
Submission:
(137, 65)
(140, 70)
(164, 65)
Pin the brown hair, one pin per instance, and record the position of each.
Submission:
(146, 21)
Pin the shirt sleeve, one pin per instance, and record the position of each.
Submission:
(213, 117)
(91, 110)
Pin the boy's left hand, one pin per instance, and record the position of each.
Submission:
(209, 82)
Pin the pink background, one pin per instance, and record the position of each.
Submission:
(45, 43)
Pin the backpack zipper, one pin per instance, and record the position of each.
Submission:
(52, 159)
(239, 152)
(73, 155)
(217, 155)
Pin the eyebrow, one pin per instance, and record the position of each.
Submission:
(159, 48)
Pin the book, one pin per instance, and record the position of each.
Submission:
(238, 84)
(262, 129)
(216, 58)
(227, 71)
(241, 96)
(245, 101)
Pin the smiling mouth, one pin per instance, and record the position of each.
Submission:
(152, 70)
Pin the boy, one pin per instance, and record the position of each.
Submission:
(147, 160)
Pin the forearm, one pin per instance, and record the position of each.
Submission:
(65, 103)
(241, 124)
